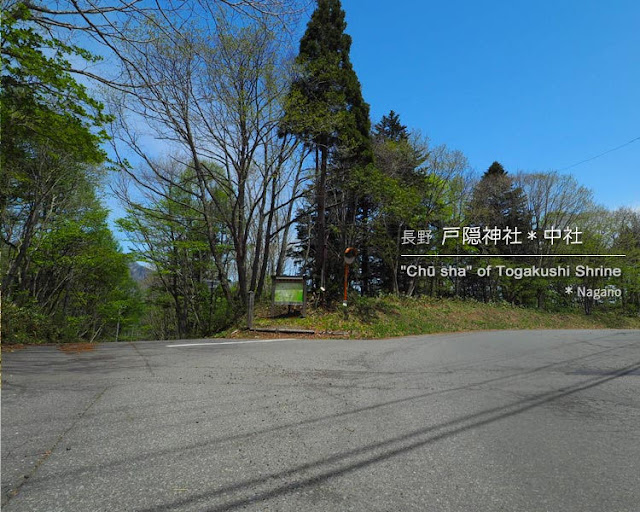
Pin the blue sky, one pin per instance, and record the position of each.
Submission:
(538, 85)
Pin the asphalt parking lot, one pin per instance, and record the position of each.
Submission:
(514, 421)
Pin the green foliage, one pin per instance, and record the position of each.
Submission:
(391, 129)
(41, 101)
(498, 202)
(495, 169)
(77, 285)
(386, 315)
(27, 324)
(184, 298)
(325, 105)
(326, 110)
(413, 186)
(64, 277)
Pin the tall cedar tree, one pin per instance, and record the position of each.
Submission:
(498, 202)
(390, 129)
(495, 169)
(326, 109)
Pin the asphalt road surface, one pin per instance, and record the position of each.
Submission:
(491, 421)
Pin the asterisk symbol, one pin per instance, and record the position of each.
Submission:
(532, 235)
(568, 290)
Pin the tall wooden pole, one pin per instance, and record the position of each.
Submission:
(346, 280)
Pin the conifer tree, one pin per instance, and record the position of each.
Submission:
(495, 169)
(326, 109)
(390, 129)
(497, 201)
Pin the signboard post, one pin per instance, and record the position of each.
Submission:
(289, 291)
(250, 311)
(349, 257)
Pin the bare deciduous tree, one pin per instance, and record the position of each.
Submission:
(215, 99)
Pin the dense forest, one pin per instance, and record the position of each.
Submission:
(237, 154)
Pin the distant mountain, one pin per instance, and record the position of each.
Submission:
(139, 273)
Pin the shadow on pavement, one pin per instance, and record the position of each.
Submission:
(389, 448)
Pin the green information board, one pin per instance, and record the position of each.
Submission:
(289, 293)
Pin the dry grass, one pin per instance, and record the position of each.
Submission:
(71, 348)
(12, 348)
(399, 316)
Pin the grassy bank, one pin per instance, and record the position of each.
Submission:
(398, 316)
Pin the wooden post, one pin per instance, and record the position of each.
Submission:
(304, 298)
(272, 307)
(250, 311)
(346, 281)
(350, 254)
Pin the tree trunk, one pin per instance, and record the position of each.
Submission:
(268, 238)
(14, 268)
(321, 239)
(365, 253)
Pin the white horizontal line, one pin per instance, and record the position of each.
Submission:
(229, 342)
(516, 255)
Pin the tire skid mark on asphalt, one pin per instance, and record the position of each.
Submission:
(11, 493)
(310, 474)
(473, 385)
(454, 367)
(626, 372)
(146, 361)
